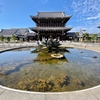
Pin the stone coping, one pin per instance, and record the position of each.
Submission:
(23, 91)
(8, 49)
(87, 94)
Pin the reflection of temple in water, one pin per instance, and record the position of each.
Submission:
(50, 24)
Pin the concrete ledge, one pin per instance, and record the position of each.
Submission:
(8, 49)
(87, 94)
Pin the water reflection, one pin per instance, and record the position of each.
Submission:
(44, 57)
(78, 71)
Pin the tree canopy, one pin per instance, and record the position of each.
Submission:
(85, 36)
(1, 38)
(94, 36)
(13, 37)
(8, 39)
(77, 33)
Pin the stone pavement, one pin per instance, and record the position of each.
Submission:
(87, 94)
(12, 94)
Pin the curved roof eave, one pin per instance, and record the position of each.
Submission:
(36, 17)
(46, 29)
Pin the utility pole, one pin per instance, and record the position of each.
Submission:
(98, 27)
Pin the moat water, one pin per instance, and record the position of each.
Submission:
(79, 70)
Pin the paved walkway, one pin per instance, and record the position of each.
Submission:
(87, 94)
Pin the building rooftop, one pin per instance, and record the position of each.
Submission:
(64, 29)
(8, 32)
(50, 28)
(21, 31)
(51, 14)
(13, 31)
(31, 34)
(71, 34)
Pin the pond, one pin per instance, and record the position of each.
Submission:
(19, 69)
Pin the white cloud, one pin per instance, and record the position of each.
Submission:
(87, 14)
(95, 17)
(77, 28)
(89, 29)
(86, 7)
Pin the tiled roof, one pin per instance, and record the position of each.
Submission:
(12, 31)
(8, 32)
(36, 29)
(21, 31)
(31, 34)
(51, 14)
(71, 34)
(49, 28)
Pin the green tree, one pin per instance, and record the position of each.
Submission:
(85, 36)
(94, 37)
(77, 33)
(13, 37)
(8, 39)
(1, 38)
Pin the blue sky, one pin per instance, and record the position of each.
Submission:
(85, 13)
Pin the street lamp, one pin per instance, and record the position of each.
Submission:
(98, 27)
(84, 30)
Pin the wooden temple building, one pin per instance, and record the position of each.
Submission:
(50, 24)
